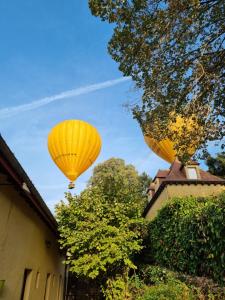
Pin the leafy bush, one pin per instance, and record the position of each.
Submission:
(204, 287)
(116, 289)
(155, 275)
(136, 286)
(188, 236)
(170, 291)
(155, 282)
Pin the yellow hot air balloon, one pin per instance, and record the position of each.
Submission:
(74, 145)
(165, 148)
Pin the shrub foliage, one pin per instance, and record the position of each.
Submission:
(188, 235)
(155, 283)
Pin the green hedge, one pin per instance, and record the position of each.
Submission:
(156, 283)
(169, 291)
(188, 235)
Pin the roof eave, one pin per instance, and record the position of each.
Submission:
(19, 176)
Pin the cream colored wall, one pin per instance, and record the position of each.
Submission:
(157, 184)
(22, 245)
(171, 191)
(161, 200)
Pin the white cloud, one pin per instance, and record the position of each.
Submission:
(14, 110)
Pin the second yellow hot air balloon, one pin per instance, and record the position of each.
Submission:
(74, 145)
(165, 148)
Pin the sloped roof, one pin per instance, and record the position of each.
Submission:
(162, 173)
(177, 173)
(20, 179)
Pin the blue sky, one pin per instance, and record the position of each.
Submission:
(47, 48)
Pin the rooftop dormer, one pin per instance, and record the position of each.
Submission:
(192, 170)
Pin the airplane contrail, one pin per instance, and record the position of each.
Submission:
(14, 110)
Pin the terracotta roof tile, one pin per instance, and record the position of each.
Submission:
(162, 173)
(177, 173)
(208, 176)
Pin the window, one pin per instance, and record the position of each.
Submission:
(47, 286)
(53, 279)
(37, 280)
(27, 276)
(59, 288)
(192, 173)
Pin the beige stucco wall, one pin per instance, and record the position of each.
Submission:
(171, 191)
(23, 238)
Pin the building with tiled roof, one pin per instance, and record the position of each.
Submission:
(179, 181)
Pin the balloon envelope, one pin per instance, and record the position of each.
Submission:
(165, 148)
(74, 145)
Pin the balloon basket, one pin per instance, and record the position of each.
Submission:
(71, 186)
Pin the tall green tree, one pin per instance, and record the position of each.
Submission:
(102, 228)
(114, 178)
(145, 181)
(216, 164)
(174, 51)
